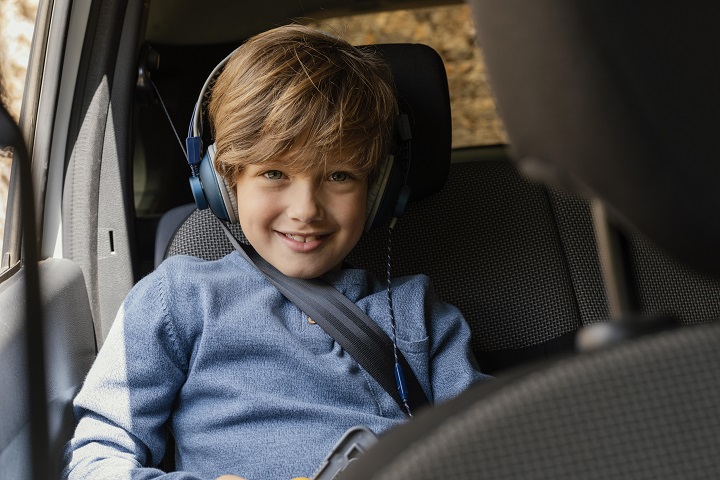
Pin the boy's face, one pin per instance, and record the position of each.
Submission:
(306, 223)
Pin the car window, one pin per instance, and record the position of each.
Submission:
(450, 31)
(17, 21)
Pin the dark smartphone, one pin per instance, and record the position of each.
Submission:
(349, 448)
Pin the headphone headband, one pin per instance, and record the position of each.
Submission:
(195, 129)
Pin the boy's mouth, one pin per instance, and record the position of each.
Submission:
(302, 243)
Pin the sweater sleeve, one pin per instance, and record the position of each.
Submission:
(128, 395)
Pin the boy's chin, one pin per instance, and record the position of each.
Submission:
(306, 272)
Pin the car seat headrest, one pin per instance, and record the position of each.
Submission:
(423, 95)
(622, 99)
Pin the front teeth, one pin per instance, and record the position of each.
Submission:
(298, 238)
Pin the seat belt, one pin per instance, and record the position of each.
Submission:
(344, 321)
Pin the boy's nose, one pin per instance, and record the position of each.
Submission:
(303, 204)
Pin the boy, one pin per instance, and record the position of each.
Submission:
(246, 382)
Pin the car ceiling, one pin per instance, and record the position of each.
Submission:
(184, 22)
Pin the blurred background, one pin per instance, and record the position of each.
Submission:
(17, 18)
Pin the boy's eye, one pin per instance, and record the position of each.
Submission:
(339, 176)
(273, 175)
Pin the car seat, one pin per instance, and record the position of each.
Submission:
(578, 83)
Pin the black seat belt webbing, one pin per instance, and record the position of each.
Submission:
(356, 333)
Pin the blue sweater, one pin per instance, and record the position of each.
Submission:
(246, 383)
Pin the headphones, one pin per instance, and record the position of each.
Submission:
(387, 194)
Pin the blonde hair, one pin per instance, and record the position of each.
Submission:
(300, 89)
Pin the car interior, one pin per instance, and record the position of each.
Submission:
(582, 252)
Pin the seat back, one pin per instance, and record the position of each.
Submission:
(490, 243)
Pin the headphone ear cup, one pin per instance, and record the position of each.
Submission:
(383, 193)
(218, 194)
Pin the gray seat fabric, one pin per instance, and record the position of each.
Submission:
(665, 286)
(489, 244)
(200, 235)
(577, 236)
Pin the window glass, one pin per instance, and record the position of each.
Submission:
(450, 31)
(17, 20)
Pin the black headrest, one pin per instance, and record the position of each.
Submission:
(422, 86)
(622, 97)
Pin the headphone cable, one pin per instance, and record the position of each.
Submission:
(399, 375)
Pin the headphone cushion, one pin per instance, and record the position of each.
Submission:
(383, 193)
(220, 197)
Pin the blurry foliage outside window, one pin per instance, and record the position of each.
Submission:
(449, 30)
(17, 21)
